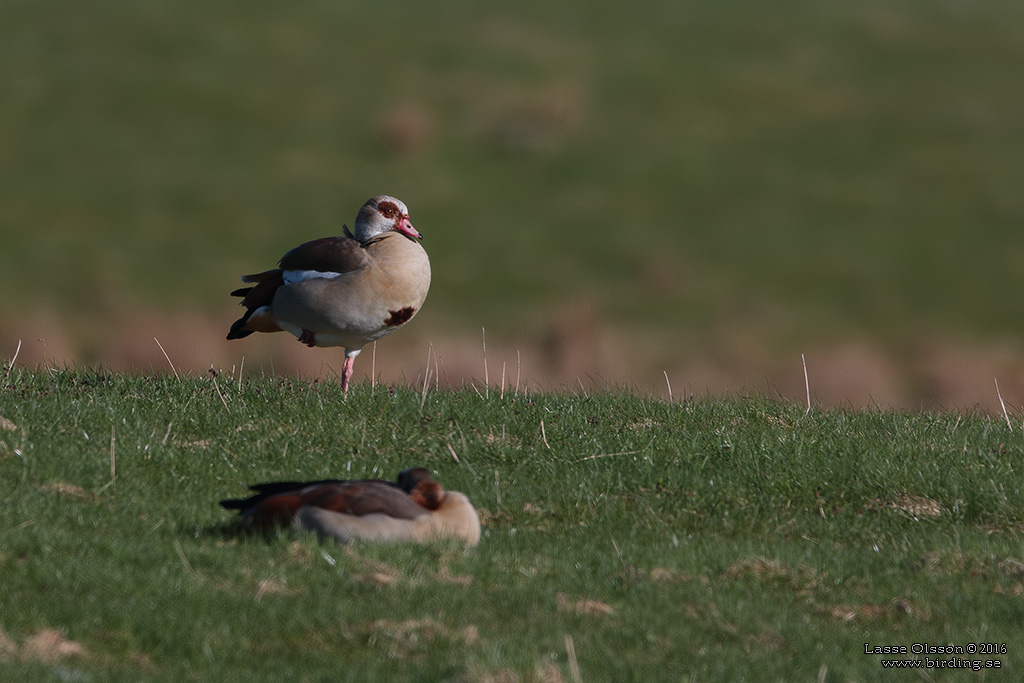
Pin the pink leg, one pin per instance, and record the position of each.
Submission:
(346, 372)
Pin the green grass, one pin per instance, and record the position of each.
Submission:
(719, 539)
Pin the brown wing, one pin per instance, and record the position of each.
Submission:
(407, 481)
(277, 505)
(327, 254)
(262, 293)
(359, 498)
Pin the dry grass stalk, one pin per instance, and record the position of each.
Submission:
(426, 377)
(574, 666)
(1002, 403)
(26, 523)
(487, 381)
(519, 370)
(184, 560)
(213, 374)
(611, 455)
(11, 366)
(176, 375)
(113, 458)
(472, 385)
(807, 385)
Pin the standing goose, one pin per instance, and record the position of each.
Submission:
(343, 291)
(415, 508)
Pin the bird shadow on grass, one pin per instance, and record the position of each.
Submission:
(230, 530)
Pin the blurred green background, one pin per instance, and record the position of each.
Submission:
(616, 191)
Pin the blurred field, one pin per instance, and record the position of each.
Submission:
(614, 190)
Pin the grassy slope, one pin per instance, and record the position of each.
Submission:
(724, 538)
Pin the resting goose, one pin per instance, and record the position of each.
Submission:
(414, 508)
(343, 291)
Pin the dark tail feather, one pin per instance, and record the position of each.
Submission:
(236, 331)
(255, 297)
(274, 487)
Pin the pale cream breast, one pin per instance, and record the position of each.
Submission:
(355, 308)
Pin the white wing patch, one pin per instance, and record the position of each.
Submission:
(293, 276)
